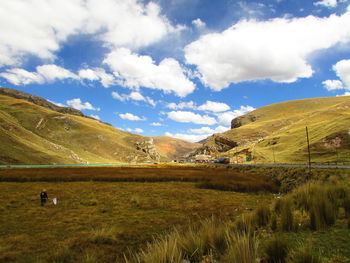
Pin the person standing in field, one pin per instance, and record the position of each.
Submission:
(43, 197)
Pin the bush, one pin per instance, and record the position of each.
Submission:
(276, 250)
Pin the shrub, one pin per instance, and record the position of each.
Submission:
(276, 250)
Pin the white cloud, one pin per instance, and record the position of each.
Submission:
(18, 76)
(332, 84)
(157, 124)
(31, 27)
(198, 23)
(275, 49)
(95, 117)
(214, 106)
(208, 130)
(346, 94)
(137, 130)
(133, 96)
(43, 74)
(57, 103)
(77, 104)
(181, 105)
(327, 3)
(136, 71)
(342, 69)
(187, 116)
(98, 74)
(226, 117)
(53, 72)
(187, 137)
(131, 117)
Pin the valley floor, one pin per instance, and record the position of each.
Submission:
(103, 218)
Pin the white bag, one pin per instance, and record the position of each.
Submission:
(54, 201)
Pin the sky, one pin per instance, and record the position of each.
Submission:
(180, 68)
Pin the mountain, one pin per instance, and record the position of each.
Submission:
(35, 131)
(174, 148)
(278, 133)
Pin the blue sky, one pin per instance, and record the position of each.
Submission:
(182, 68)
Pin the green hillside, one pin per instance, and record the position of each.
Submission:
(277, 132)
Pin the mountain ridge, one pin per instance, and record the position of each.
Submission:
(41, 132)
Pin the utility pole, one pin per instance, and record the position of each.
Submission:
(308, 147)
(236, 155)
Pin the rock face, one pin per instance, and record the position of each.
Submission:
(218, 143)
(224, 144)
(239, 121)
(149, 148)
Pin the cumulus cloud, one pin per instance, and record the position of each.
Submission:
(156, 124)
(53, 72)
(342, 69)
(214, 106)
(131, 117)
(190, 117)
(196, 135)
(187, 137)
(275, 49)
(18, 76)
(208, 130)
(77, 104)
(198, 23)
(133, 96)
(136, 71)
(95, 117)
(137, 130)
(97, 74)
(43, 74)
(181, 105)
(44, 25)
(332, 84)
(346, 94)
(226, 117)
(327, 3)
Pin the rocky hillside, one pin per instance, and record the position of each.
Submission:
(35, 131)
(276, 133)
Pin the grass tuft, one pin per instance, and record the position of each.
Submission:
(276, 250)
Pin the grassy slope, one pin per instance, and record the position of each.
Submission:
(174, 148)
(282, 126)
(32, 134)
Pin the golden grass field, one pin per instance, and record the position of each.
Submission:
(103, 219)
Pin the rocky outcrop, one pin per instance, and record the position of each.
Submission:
(148, 148)
(240, 121)
(224, 144)
(218, 143)
(39, 101)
